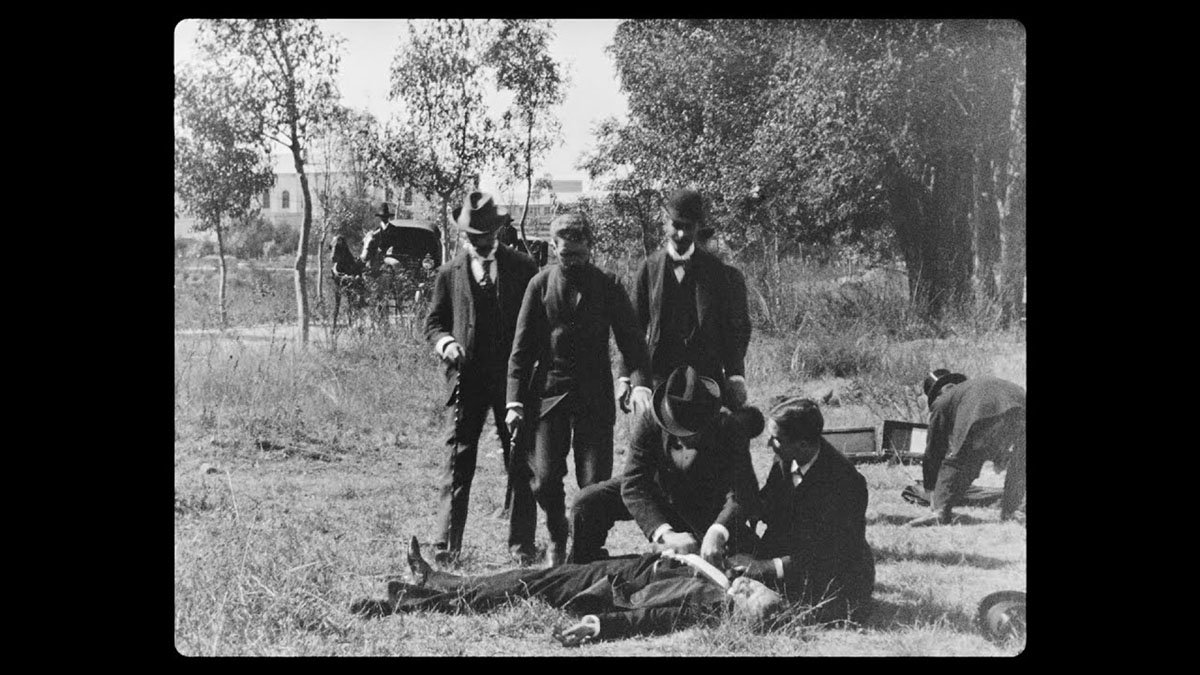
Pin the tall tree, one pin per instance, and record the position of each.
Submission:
(219, 170)
(446, 137)
(523, 65)
(824, 131)
(342, 188)
(289, 67)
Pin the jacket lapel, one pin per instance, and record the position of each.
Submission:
(462, 292)
(654, 268)
(704, 272)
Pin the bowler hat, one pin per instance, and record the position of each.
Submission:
(686, 206)
(478, 214)
(1001, 616)
(686, 402)
(937, 380)
(385, 211)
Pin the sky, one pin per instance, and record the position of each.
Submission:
(370, 45)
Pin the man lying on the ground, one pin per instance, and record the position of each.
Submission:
(617, 597)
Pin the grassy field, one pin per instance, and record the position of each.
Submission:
(301, 474)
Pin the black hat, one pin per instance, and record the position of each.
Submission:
(686, 206)
(385, 211)
(478, 214)
(686, 402)
(1002, 616)
(937, 380)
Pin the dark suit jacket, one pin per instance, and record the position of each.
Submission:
(955, 412)
(452, 311)
(819, 529)
(717, 485)
(568, 344)
(723, 332)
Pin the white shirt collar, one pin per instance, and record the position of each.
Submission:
(475, 254)
(803, 468)
(686, 255)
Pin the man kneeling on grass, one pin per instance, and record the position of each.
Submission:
(813, 554)
(617, 597)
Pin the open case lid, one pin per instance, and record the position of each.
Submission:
(856, 443)
(905, 440)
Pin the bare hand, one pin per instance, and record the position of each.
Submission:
(641, 399)
(513, 419)
(624, 390)
(574, 635)
(454, 353)
(712, 549)
(681, 542)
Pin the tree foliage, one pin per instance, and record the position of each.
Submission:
(219, 170)
(287, 70)
(828, 132)
(520, 56)
(446, 137)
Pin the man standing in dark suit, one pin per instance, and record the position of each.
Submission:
(563, 328)
(688, 482)
(814, 504)
(688, 308)
(972, 421)
(471, 323)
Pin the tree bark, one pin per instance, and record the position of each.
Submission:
(446, 229)
(1012, 211)
(302, 248)
(985, 235)
(222, 274)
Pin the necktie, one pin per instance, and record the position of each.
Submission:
(486, 282)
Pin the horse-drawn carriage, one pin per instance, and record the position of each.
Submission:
(393, 277)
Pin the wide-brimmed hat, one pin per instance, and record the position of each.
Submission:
(686, 402)
(685, 206)
(1001, 616)
(937, 380)
(385, 211)
(478, 214)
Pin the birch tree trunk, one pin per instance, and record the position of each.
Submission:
(222, 274)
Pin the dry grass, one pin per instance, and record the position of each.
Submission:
(327, 461)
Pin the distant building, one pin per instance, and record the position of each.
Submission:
(284, 202)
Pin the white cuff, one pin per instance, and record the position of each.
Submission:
(719, 528)
(779, 567)
(641, 388)
(516, 406)
(737, 378)
(440, 347)
(658, 534)
(623, 379)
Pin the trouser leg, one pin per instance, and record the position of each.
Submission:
(518, 501)
(1014, 479)
(954, 477)
(597, 507)
(548, 463)
(466, 417)
(593, 446)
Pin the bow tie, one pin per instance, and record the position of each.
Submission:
(680, 262)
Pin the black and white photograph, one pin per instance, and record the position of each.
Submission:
(523, 337)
